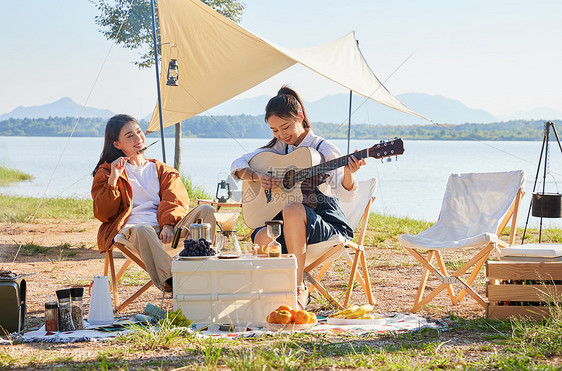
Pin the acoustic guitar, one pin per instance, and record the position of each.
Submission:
(299, 172)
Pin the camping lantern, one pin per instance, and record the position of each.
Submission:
(173, 73)
(223, 191)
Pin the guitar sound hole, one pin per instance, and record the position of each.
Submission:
(289, 179)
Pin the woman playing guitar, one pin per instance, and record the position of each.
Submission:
(308, 222)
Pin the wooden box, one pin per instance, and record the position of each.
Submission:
(522, 289)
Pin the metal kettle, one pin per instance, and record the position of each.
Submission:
(200, 230)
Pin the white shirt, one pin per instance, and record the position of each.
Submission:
(146, 193)
(327, 149)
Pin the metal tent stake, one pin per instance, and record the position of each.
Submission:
(541, 209)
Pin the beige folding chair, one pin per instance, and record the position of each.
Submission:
(323, 254)
(476, 209)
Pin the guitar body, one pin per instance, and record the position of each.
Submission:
(257, 207)
(299, 173)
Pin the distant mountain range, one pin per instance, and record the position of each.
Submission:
(330, 109)
(335, 109)
(64, 107)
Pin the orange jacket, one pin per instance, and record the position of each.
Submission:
(113, 205)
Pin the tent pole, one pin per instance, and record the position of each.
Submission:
(158, 81)
(349, 122)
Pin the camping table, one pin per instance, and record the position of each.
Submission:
(217, 205)
(240, 291)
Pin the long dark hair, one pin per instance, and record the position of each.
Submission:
(112, 131)
(286, 104)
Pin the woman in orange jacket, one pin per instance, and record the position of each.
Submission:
(143, 199)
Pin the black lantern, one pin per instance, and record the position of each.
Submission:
(173, 73)
(223, 191)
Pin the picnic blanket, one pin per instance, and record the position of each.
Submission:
(393, 323)
(120, 326)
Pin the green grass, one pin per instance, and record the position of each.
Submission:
(194, 191)
(134, 277)
(475, 344)
(9, 176)
(15, 209)
(31, 249)
(386, 228)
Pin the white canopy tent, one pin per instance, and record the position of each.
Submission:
(219, 60)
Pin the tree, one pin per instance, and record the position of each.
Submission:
(129, 23)
(136, 32)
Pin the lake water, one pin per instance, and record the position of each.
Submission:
(412, 186)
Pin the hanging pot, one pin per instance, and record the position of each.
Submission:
(547, 205)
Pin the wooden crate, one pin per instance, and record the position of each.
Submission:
(513, 290)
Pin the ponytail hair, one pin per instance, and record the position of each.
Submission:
(112, 131)
(286, 104)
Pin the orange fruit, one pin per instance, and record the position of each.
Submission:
(271, 317)
(312, 317)
(292, 311)
(283, 316)
(301, 317)
(285, 307)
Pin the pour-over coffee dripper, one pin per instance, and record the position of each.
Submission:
(227, 241)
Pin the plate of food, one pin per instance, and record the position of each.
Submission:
(356, 315)
(285, 318)
(203, 257)
(228, 256)
(289, 326)
(378, 321)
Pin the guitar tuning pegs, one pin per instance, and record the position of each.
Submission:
(389, 159)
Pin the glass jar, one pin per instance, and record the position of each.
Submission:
(65, 316)
(51, 316)
(76, 310)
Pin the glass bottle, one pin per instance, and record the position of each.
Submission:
(274, 231)
(76, 310)
(51, 316)
(65, 317)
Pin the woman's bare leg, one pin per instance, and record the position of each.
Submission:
(294, 229)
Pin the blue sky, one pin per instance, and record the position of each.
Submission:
(500, 56)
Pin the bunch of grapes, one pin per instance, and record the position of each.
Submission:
(197, 248)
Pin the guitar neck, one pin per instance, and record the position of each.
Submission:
(324, 167)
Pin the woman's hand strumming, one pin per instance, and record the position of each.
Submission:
(267, 181)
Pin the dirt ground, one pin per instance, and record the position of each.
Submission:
(73, 260)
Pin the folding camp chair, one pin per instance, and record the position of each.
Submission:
(475, 210)
(120, 242)
(325, 253)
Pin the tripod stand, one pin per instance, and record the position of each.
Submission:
(544, 204)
